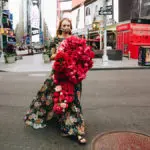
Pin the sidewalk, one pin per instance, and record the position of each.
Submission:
(30, 63)
(35, 63)
(114, 65)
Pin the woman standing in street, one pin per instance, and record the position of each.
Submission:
(41, 109)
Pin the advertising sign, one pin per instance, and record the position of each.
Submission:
(35, 31)
(28, 40)
(41, 38)
(144, 56)
(147, 56)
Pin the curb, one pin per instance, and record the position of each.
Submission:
(110, 68)
(29, 54)
(3, 71)
(121, 68)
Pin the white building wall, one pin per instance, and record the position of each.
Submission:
(67, 15)
(116, 10)
(78, 14)
(6, 5)
(93, 12)
(109, 17)
(24, 15)
(66, 5)
(42, 14)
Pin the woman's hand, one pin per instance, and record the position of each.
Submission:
(53, 56)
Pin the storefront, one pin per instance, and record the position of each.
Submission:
(97, 36)
(131, 36)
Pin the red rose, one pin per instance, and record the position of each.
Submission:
(55, 100)
(90, 64)
(61, 97)
(56, 81)
(69, 99)
(57, 109)
(92, 54)
(82, 77)
(63, 92)
(56, 94)
(85, 65)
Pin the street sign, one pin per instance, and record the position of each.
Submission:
(107, 11)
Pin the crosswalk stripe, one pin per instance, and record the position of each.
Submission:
(37, 75)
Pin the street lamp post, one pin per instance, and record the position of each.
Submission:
(1, 24)
(104, 11)
(100, 39)
(105, 57)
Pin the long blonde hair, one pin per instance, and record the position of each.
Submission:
(59, 32)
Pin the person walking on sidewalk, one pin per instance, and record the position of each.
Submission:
(41, 109)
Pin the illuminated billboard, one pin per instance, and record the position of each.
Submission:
(35, 20)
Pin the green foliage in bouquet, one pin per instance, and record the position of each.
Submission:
(47, 51)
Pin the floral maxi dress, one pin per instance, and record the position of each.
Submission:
(71, 122)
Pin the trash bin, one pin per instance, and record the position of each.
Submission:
(144, 56)
(114, 54)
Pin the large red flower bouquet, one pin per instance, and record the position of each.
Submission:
(72, 62)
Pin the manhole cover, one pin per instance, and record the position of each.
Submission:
(121, 141)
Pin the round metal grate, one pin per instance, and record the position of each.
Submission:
(121, 141)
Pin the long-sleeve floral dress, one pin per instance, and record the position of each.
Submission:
(71, 122)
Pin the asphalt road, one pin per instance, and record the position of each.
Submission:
(111, 101)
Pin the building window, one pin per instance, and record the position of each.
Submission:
(96, 8)
(96, 11)
(77, 18)
(87, 11)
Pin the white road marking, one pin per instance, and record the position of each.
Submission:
(37, 75)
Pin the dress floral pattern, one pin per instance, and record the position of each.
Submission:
(70, 122)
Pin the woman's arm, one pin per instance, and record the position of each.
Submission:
(53, 52)
(53, 49)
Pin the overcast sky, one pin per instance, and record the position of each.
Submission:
(49, 11)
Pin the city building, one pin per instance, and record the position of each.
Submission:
(78, 17)
(64, 8)
(46, 35)
(131, 9)
(86, 18)
(134, 27)
(6, 26)
(145, 9)
(30, 26)
(76, 3)
(127, 18)
(58, 13)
